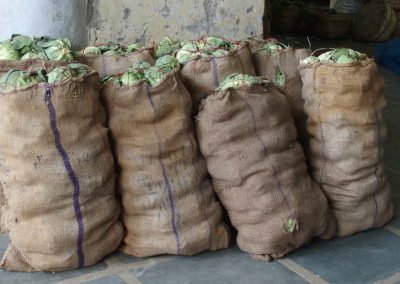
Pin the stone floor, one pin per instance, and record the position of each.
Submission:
(372, 256)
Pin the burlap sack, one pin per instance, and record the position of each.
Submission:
(344, 104)
(287, 60)
(168, 201)
(255, 43)
(201, 76)
(5, 66)
(58, 174)
(248, 139)
(29, 64)
(114, 64)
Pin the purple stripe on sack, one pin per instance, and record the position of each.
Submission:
(148, 90)
(166, 179)
(377, 165)
(171, 202)
(215, 71)
(70, 171)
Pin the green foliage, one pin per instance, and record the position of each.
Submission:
(59, 74)
(204, 48)
(168, 62)
(338, 55)
(279, 78)
(16, 79)
(167, 46)
(271, 48)
(110, 49)
(237, 80)
(21, 47)
(7, 52)
(143, 71)
(291, 226)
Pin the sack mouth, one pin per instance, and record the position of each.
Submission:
(232, 52)
(259, 39)
(79, 79)
(283, 50)
(259, 89)
(150, 49)
(254, 88)
(143, 82)
(363, 62)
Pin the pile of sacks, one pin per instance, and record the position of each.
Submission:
(136, 148)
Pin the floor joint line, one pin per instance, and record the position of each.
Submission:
(115, 267)
(301, 271)
(392, 229)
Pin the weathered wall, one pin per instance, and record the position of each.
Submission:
(151, 20)
(55, 18)
(93, 21)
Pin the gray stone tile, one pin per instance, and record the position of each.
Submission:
(47, 277)
(41, 277)
(363, 258)
(126, 259)
(395, 222)
(4, 241)
(114, 279)
(227, 266)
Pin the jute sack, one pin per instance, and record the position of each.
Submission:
(169, 204)
(114, 64)
(344, 104)
(5, 66)
(255, 43)
(202, 75)
(286, 61)
(248, 139)
(58, 177)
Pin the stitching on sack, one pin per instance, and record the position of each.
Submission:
(376, 167)
(103, 63)
(321, 127)
(265, 151)
(187, 124)
(68, 167)
(148, 90)
(198, 176)
(240, 62)
(215, 71)
(166, 179)
(378, 160)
